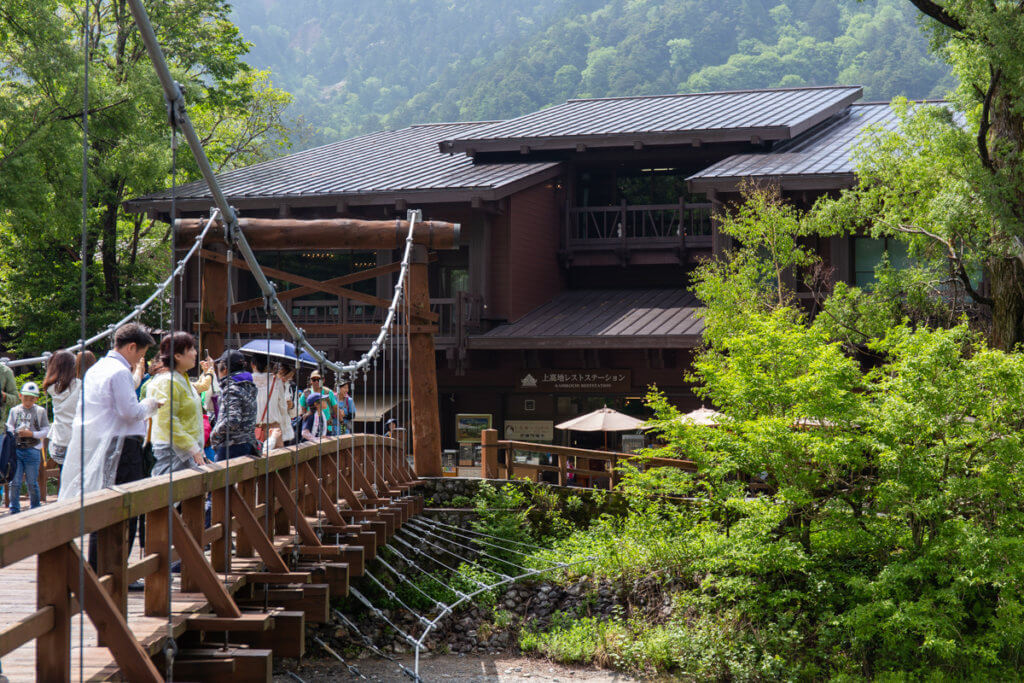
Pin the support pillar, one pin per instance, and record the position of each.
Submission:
(426, 424)
(213, 310)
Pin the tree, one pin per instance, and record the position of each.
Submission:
(237, 111)
(953, 185)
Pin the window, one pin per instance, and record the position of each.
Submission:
(867, 255)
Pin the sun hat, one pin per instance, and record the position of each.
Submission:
(30, 389)
(312, 398)
(315, 375)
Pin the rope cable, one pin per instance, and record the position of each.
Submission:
(82, 312)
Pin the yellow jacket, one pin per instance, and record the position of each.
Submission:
(188, 414)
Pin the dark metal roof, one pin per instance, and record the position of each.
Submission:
(642, 318)
(773, 114)
(382, 165)
(824, 154)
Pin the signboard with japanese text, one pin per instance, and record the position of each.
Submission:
(574, 381)
(537, 431)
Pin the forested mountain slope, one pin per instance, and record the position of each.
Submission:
(356, 66)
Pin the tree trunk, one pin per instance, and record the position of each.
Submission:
(1006, 279)
(111, 281)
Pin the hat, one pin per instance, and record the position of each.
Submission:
(233, 360)
(30, 389)
(312, 398)
(390, 421)
(315, 375)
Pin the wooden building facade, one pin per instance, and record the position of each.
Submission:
(580, 226)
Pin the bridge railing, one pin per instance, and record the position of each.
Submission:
(568, 461)
(349, 485)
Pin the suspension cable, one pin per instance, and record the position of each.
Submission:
(86, 45)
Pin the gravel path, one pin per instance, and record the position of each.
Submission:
(451, 669)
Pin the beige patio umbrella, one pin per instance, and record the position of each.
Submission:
(602, 420)
(702, 416)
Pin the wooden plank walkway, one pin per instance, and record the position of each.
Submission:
(17, 600)
(320, 541)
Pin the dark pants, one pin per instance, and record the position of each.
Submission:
(129, 468)
(234, 451)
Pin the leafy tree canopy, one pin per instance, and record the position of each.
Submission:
(236, 109)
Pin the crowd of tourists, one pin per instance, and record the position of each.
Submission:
(146, 416)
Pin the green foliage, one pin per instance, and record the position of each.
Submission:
(704, 648)
(847, 520)
(235, 109)
(358, 67)
(522, 512)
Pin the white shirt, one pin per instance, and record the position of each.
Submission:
(64, 405)
(110, 397)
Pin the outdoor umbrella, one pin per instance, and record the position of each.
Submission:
(602, 420)
(702, 416)
(277, 348)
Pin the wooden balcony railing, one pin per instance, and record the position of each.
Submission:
(635, 225)
(608, 476)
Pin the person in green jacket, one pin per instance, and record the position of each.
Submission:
(8, 391)
(177, 432)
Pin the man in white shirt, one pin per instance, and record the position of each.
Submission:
(109, 427)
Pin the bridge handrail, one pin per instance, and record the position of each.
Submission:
(36, 531)
(51, 533)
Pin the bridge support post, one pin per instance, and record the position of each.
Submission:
(489, 453)
(426, 424)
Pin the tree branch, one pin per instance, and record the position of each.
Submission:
(938, 13)
(985, 123)
(954, 258)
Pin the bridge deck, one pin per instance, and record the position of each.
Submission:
(18, 600)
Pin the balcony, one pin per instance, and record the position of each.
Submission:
(636, 234)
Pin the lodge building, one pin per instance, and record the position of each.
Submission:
(580, 225)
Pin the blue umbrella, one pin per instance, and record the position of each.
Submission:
(277, 348)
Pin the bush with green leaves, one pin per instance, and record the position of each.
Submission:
(848, 519)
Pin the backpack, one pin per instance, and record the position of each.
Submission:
(8, 460)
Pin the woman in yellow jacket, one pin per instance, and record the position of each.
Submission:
(177, 431)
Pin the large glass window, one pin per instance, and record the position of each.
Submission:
(868, 253)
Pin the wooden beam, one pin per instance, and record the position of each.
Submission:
(112, 561)
(26, 629)
(331, 233)
(53, 648)
(281, 492)
(349, 279)
(426, 423)
(202, 573)
(157, 538)
(331, 328)
(244, 622)
(250, 526)
(132, 660)
(299, 280)
(213, 302)
(328, 504)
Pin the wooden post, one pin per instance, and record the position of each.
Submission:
(157, 537)
(220, 514)
(426, 424)
(53, 649)
(194, 513)
(563, 473)
(489, 453)
(214, 304)
(247, 491)
(510, 456)
(112, 558)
